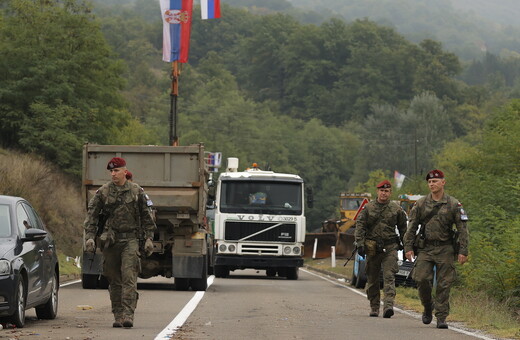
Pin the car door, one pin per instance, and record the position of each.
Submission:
(32, 256)
(47, 250)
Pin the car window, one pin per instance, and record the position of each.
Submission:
(23, 219)
(5, 221)
(34, 219)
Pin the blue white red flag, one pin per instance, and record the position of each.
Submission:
(210, 9)
(176, 15)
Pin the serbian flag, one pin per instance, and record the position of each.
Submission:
(176, 15)
(210, 9)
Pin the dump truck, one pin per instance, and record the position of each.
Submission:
(175, 178)
(259, 221)
(337, 232)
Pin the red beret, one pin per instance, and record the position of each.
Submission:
(434, 174)
(116, 162)
(129, 175)
(384, 184)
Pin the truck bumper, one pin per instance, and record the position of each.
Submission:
(258, 262)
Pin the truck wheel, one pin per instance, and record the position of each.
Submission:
(89, 281)
(182, 283)
(199, 284)
(270, 272)
(221, 271)
(292, 273)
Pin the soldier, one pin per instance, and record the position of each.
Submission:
(127, 213)
(129, 176)
(376, 238)
(436, 244)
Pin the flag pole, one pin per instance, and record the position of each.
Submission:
(174, 139)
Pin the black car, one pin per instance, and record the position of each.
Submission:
(29, 273)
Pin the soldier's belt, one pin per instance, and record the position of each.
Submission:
(125, 236)
(438, 243)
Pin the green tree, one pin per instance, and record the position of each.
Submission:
(54, 58)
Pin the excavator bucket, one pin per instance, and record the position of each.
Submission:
(323, 241)
(345, 243)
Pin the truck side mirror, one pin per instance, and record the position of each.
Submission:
(310, 197)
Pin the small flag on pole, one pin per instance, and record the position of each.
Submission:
(210, 9)
(176, 15)
(399, 179)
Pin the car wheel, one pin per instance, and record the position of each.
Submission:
(18, 317)
(49, 310)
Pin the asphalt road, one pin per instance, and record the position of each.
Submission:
(247, 305)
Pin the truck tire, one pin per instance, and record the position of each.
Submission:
(271, 272)
(292, 273)
(89, 281)
(201, 284)
(103, 282)
(221, 271)
(182, 283)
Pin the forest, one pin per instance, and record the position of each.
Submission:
(344, 103)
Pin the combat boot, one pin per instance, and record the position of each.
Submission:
(128, 322)
(387, 314)
(441, 323)
(427, 314)
(118, 321)
(374, 311)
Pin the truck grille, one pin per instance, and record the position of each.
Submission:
(282, 232)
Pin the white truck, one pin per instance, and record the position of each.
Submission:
(259, 221)
(175, 178)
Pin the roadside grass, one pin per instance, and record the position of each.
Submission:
(67, 267)
(474, 309)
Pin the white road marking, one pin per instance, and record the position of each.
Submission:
(181, 318)
(409, 313)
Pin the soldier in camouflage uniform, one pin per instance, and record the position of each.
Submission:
(436, 244)
(376, 237)
(128, 218)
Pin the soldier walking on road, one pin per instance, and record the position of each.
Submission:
(125, 208)
(376, 238)
(436, 245)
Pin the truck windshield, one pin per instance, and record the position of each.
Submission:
(261, 197)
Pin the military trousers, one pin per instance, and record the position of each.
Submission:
(435, 261)
(121, 267)
(388, 261)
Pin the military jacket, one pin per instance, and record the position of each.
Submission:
(440, 226)
(378, 221)
(127, 207)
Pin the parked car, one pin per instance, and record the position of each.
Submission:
(29, 271)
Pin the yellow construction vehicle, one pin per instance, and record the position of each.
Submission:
(337, 232)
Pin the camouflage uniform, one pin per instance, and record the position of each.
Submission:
(129, 219)
(378, 221)
(438, 250)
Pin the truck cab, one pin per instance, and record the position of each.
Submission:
(259, 221)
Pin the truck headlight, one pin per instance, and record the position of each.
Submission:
(5, 267)
(222, 248)
(296, 250)
(287, 250)
(232, 248)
